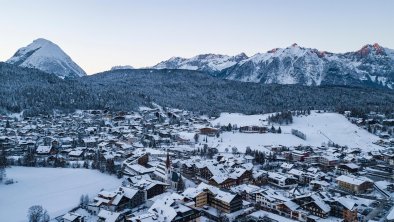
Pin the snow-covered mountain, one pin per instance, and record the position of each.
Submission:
(372, 64)
(46, 56)
(206, 62)
(122, 67)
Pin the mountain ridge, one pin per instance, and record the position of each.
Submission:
(372, 64)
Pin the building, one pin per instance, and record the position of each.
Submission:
(282, 180)
(354, 184)
(72, 217)
(205, 194)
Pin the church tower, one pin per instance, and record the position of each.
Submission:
(168, 168)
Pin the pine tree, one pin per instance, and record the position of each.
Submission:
(181, 184)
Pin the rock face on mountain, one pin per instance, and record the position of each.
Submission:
(46, 56)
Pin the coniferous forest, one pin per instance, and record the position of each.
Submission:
(36, 92)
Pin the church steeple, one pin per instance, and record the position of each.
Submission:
(168, 161)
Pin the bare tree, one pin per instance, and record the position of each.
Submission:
(37, 214)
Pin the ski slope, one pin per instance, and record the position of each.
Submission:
(56, 189)
(319, 128)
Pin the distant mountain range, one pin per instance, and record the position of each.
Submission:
(372, 65)
(46, 56)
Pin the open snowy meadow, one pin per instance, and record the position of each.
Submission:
(319, 128)
(56, 189)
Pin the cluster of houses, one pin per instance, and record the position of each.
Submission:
(165, 179)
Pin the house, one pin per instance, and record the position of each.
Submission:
(205, 194)
(108, 216)
(151, 187)
(247, 191)
(72, 217)
(208, 131)
(253, 129)
(269, 198)
(124, 197)
(354, 184)
(76, 154)
(222, 181)
(45, 150)
(345, 208)
(314, 204)
(281, 180)
(299, 156)
(262, 215)
(168, 209)
(349, 168)
(291, 210)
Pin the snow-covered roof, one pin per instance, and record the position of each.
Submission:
(108, 216)
(71, 216)
(353, 180)
(43, 149)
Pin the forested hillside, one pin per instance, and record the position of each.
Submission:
(37, 92)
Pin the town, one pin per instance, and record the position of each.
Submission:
(180, 166)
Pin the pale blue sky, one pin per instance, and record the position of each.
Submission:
(99, 34)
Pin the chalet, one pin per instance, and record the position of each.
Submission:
(222, 181)
(124, 197)
(241, 175)
(45, 150)
(90, 142)
(259, 177)
(349, 168)
(291, 210)
(354, 184)
(131, 169)
(247, 191)
(253, 129)
(108, 216)
(205, 194)
(269, 198)
(328, 161)
(281, 180)
(168, 209)
(299, 156)
(76, 154)
(208, 131)
(345, 208)
(73, 217)
(314, 204)
(144, 182)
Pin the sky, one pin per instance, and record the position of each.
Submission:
(99, 34)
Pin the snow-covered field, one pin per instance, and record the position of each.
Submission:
(56, 189)
(319, 128)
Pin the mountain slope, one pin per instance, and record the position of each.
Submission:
(48, 57)
(121, 67)
(206, 62)
(36, 92)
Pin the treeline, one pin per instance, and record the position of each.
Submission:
(284, 117)
(98, 162)
(35, 92)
